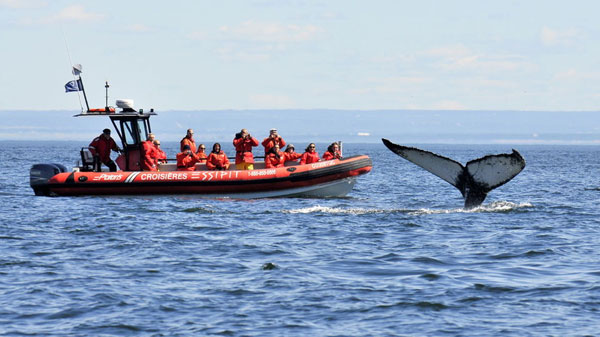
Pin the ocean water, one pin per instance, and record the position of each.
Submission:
(397, 257)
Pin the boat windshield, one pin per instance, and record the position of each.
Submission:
(129, 132)
(142, 129)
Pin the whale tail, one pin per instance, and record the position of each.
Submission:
(475, 180)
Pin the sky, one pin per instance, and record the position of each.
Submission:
(290, 54)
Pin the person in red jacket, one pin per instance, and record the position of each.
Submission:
(161, 156)
(149, 154)
(201, 154)
(290, 154)
(333, 152)
(243, 143)
(100, 148)
(186, 159)
(274, 157)
(217, 159)
(273, 139)
(188, 140)
(310, 155)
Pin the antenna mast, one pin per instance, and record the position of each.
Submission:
(106, 86)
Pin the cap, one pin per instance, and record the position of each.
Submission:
(290, 146)
(186, 147)
(106, 131)
(272, 130)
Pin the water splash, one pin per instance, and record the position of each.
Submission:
(336, 210)
(494, 207)
(502, 206)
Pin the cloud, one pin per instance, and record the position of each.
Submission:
(139, 28)
(271, 101)
(232, 53)
(392, 59)
(75, 13)
(567, 75)
(270, 32)
(23, 3)
(389, 85)
(576, 75)
(459, 57)
(490, 83)
(484, 63)
(455, 51)
(258, 41)
(552, 37)
(449, 105)
(198, 35)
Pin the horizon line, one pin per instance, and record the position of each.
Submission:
(309, 109)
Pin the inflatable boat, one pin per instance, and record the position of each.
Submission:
(332, 178)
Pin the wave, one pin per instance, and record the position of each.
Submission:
(494, 207)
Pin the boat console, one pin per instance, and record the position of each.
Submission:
(132, 126)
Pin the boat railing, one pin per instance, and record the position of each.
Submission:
(171, 165)
(228, 157)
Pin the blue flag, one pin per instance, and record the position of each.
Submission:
(73, 86)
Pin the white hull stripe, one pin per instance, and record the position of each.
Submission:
(131, 177)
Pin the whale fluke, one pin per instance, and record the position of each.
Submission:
(475, 180)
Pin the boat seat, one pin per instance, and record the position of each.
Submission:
(87, 160)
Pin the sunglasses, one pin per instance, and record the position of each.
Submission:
(311, 147)
(202, 148)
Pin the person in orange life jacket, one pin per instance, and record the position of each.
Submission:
(161, 156)
(274, 138)
(274, 157)
(148, 161)
(243, 143)
(217, 159)
(333, 152)
(100, 148)
(290, 154)
(201, 155)
(186, 159)
(310, 155)
(188, 140)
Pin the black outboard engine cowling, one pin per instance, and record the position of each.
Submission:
(39, 174)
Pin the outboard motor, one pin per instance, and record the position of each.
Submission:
(39, 174)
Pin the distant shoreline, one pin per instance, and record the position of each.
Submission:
(323, 125)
